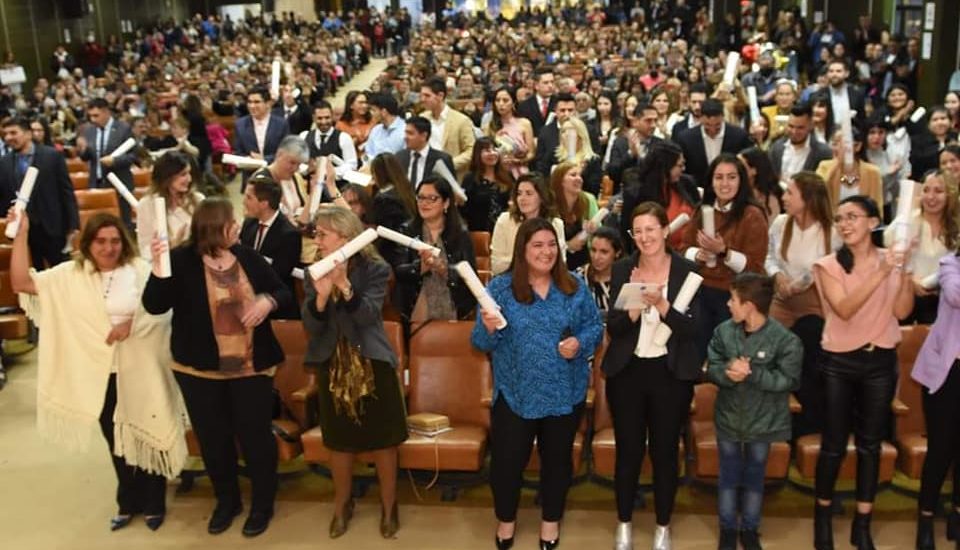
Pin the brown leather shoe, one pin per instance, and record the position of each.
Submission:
(389, 525)
(338, 525)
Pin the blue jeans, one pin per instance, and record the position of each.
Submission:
(742, 465)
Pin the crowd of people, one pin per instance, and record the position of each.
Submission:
(612, 158)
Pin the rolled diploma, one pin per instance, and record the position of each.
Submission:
(476, 287)
(689, 289)
(571, 140)
(123, 148)
(122, 189)
(710, 228)
(275, 79)
(406, 240)
(297, 273)
(337, 161)
(342, 254)
(318, 188)
(901, 232)
(730, 71)
(754, 106)
(243, 163)
(23, 198)
(931, 281)
(846, 129)
(441, 170)
(678, 222)
(160, 215)
(597, 219)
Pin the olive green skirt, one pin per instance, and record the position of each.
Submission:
(383, 422)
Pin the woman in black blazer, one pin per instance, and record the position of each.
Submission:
(224, 355)
(428, 287)
(360, 400)
(649, 386)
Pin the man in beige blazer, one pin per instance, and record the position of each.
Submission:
(452, 132)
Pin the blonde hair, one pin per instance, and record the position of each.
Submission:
(345, 223)
(584, 150)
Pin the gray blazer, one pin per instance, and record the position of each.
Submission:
(818, 151)
(360, 319)
(119, 132)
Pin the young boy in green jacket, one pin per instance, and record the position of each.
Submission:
(755, 361)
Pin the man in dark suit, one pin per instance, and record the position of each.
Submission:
(537, 107)
(95, 144)
(53, 206)
(630, 147)
(258, 134)
(418, 159)
(294, 111)
(705, 142)
(841, 94)
(798, 149)
(548, 139)
(698, 94)
(269, 232)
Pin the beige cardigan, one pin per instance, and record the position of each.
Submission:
(871, 182)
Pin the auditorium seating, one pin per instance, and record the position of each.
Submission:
(80, 180)
(13, 322)
(141, 176)
(297, 414)
(911, 436)
(77, 164)
(481, 250)
(92, 201)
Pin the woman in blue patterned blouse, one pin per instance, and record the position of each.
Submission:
(540, 373)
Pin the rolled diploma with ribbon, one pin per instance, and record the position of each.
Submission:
(678, 222)
(901, 239)
(123, 148)
(754, 105)
(596, 220)
(275, 79)
(710, 228)
(406, 240)
(441, 170)
(342, 254)
(318, 188)
(689, 289)
(122, 189)
(243, 163)
(483, 297)
(160, 215)
(23, 198)
(570, 138)
(730, 71)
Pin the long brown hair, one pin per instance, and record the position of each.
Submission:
(387, 170)
(569, 214)
(206, 228)
(813, 190)
(502, 177)
(522, 291)
(165, 169)
(548, 207)
(100, 220)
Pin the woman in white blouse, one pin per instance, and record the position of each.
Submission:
(172, 180)
(530, 198)
(934, 226)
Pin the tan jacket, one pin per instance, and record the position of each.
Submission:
(458, 139)
(871, 182)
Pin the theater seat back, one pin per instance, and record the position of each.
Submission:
(909, 391)
(292, 376)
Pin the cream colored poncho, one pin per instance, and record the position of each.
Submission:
(75, 363)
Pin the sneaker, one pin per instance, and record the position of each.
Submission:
(750, 539)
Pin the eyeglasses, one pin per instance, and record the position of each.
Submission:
(849, 218)
(429, 199)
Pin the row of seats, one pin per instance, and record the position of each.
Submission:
(81, 178)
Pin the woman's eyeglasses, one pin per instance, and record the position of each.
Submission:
(428, 199)
(849, 218)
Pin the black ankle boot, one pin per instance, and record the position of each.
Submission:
(823, 527)
(925, 533)
(860, 532)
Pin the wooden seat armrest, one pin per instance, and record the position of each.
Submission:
(305, 394)
(899, 407)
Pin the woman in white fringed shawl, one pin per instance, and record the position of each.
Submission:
(105, 361)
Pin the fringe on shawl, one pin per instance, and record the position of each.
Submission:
(139, 449)
(71, 429)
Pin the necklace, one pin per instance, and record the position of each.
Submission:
(106, 288)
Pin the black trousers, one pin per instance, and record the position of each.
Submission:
(941, 411)
(647, 403)
(137, 491)
(858, 389)
(510, 447)
(809, 329)
(713, 311)
(224, 411)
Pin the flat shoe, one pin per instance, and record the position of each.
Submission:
(154, 522)
(120, 521)
(257, 523)
(222, 518)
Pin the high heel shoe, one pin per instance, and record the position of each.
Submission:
(925, 533)
(823, 527)
(153, 522)
(623, 540)
(120, 521)
(503, 544)
(339, 524)
(549, 544)
(389, 525)
(661, 538)
(860, 532)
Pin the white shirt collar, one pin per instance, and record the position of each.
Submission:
(804, 146)
(724, 209)
(269, 222)
(723, 129)
(423, 152)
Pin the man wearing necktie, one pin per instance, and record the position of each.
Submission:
(537, 107)
(325, 140)
(418, 158)
(96, 142)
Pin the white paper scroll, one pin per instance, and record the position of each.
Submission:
(243, 163)
(297, 273)
(689, 289)
(678, 223)
(123, 148)
(275, 79)
(901, 231)
(917, 114)
(846, 128)
(440, 169)
(570, 138)
(596, 220)
(122, 190)
(730, 71)
(754, 105)
(342, 254)
(337, 161)
(353, 176)
(406, 240)
(23, 198)
(160, 222)
(483, 297)
(318, 188)
(710, 228)
(931, 281)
